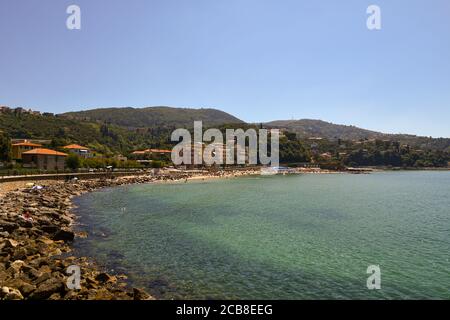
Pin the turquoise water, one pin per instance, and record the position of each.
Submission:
(279, 237)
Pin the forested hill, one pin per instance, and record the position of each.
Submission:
(154, 117)
(126, 129)
(61, 131)
(307, 128)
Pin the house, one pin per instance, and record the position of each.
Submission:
(4, 109)
(44, 159)
(21, 147)
(79, 150)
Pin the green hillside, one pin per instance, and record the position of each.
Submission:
(307, 128)
(100, 137)
(154, 117)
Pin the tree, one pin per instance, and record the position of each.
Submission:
(157, 164)
(5, 147)
(73, 161)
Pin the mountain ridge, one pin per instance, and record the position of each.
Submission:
(159, 119)
(308, 128)
(154, 116)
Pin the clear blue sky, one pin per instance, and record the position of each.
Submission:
(260, 60)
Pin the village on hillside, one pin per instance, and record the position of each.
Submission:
(36, 150)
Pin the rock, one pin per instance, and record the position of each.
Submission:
(31, 272)
(55, 296)
(91, 283)
(55, 252)
(71, 295)
(104, 277)
(63, 234)
(48, 288)
(24, 287)
(82, 234)
(139, 294)
(11, 294)
(20, 254)
(50, 228)
(42, 277)
(4, 234)
(45, 240)
(8, 226)
(10, 243)
(102, 294)
(65, 220)
(25, 223)
(17, 265)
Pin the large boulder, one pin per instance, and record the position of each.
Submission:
(64, 234)
(48, 288)
(104, 278)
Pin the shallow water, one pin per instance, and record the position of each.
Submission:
(279, 237)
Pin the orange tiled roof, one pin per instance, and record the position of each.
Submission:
(26, 144)
(45, 152)
(75, 146)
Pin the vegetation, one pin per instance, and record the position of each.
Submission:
(307, 128)
(73, 161)
(292, 149)
(103, 138)
(375, 152)
(5, 147)
(108, 132)
(154, 117)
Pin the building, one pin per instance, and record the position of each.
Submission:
(79, 150)
(5, 109)
(19, 148)
(44, 159)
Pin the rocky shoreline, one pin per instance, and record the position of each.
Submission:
(36, 232)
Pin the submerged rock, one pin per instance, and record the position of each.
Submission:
(104, 277)
(139, 294)
(63, 234)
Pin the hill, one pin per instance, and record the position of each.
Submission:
(102, 138)
(307, 128)
(154, 117)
